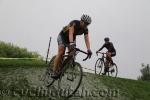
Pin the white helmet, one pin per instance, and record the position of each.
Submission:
(86, 18)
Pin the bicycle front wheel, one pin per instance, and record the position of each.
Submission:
(99, 66)
(70, 79)
(48, 80)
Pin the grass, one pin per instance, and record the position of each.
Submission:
(22, 62)
(133, 89)
(18, 83)
(24, 74)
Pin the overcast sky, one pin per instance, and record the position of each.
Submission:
(30, 23)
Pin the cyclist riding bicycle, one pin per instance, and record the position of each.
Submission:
(67, 38)
(109, 54)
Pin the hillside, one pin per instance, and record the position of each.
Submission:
(24, 83)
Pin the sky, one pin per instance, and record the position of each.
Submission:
(30, 23)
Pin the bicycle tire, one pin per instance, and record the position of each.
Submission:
(48, 81)
(99, 66)
(114, 72)
(71, 70)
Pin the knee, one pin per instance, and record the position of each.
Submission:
(108, 57)
(61, 52)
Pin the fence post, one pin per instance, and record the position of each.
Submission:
(48, 49)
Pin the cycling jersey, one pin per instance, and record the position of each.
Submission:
(109, 46)
(64, 34)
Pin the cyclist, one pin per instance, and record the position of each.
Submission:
(67, 38)
(109, 54)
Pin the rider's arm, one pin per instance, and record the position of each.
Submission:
(102, 47)
(71, 32)
(87, 41)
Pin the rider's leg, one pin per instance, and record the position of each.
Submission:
(57, 60)
(108, 61)
(112, 55)
(109, 58)
(106, 69)
(61, 51)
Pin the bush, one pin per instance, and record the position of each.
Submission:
(8, 50)
(145, 73)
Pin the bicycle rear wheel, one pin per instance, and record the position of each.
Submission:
(70, 79)
(99, 66)
(113, 70)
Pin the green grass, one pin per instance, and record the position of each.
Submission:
(21, 62)
(133, 89)
(23, 77)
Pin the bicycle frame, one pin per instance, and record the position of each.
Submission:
(68, 63)
(71, 59)
(112, 68)
(103, 58)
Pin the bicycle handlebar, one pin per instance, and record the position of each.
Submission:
(101, 53)
(77, 49)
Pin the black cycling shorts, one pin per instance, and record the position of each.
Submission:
(61, 41)
(113, 54)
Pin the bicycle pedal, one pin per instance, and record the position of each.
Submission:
(112, 70)
(55, 76)
(104, 73)
(63, 74)
(70, 79)
(99, 66)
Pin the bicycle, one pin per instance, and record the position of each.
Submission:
(101, 64)
(70, 75)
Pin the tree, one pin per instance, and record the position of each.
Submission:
(145, 71)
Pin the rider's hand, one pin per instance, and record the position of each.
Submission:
(96, 52)
(89, 53)
(72, 46)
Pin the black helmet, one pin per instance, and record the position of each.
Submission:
(86, 18)
(106, 39)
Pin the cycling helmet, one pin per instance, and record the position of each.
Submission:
(106, 39)
(86, 18)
